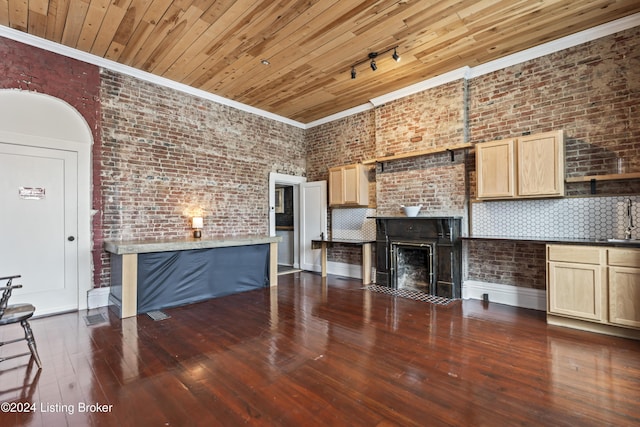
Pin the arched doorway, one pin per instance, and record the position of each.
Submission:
(45, 183)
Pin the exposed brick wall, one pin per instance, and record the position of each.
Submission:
(509, 263)
(429, 119)
(342, 142)
(161, 153)
(433, 181)
(167, 154)
(78, 83)
(432, 118)
(592, 92)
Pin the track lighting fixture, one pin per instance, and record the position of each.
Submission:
(395, 55)
(371, 57)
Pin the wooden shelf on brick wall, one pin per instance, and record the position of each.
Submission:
(417, 153)
(611, 177)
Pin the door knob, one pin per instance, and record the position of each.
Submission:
(71, 238)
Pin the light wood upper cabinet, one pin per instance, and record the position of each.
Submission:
(524, 167)
(541, 165)
(336, 192)
(495, 168)
(348, 185)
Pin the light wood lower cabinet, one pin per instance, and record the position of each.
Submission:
(624, 287)
(594, 288)
(624, 296)
(576, 290)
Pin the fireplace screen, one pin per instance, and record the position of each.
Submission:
(413, 265)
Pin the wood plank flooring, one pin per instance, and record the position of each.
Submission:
(314, 353)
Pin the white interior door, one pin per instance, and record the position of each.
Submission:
(313, 222)
(39, 225)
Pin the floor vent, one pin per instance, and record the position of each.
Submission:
(95, 319)
(158, 315)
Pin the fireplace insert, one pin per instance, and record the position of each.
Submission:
(420, 253)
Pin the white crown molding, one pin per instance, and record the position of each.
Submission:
(461, 73)
(67, 51)
(558, 45)
(341, 115)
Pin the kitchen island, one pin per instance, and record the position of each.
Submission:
(150, 275)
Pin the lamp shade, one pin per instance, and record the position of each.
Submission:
(197, 222)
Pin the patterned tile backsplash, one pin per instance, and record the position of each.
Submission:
(580, 218)
(352, 223)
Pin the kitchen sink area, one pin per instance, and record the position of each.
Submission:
(624, 241)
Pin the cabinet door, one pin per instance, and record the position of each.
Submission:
(351, 184)
(336, 193)
(348, 186)
(575, 290)
(624, 296)
(541, 165)
(495, 169)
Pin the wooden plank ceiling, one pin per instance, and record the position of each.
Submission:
(311, 45)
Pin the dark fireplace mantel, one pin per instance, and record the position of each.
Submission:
(440, 236)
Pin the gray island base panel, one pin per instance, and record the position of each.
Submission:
(152, 275)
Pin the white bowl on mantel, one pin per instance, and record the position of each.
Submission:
(411, 210)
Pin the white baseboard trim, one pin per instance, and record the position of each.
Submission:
(505, 294)
(98, 297)
(343, 269)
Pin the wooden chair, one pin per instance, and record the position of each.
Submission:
(15, 313)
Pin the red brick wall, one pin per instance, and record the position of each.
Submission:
(78, 83)
(160, 152)
(433, 181)
(342, 142)
(429, 119)
(432, 118)
(592, 91)
(509, 263)
(164, 152)
(167, 154)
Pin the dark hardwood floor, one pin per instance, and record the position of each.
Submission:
(314, 354)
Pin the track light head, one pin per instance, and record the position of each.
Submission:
(353, 72)
(395, 55)
(373, 65)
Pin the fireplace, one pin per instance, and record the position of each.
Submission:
(420, 253)
(412, 265)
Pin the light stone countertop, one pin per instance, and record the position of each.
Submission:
(119, 247)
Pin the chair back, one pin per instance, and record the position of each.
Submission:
(6, 294)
